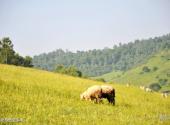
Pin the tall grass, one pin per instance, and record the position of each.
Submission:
(41, 97)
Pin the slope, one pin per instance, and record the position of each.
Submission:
(41, 97)
(155, 70)
(97, 62)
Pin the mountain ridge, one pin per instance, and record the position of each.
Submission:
(98, 62)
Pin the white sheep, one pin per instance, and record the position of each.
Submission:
(148, 89)
(142, 87)
(127, 85)
(92, 93)
(98, 92)
(165, 94)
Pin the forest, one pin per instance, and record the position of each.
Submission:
(100, 61)
(9, 56)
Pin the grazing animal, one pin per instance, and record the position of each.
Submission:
(142, 87)
(92, 93)
(98, 92)
(84, 96)
(165, 94)
(109, 93)
(148, 89)
(127, 85)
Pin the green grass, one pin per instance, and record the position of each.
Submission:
(41, 97)
(136, 77)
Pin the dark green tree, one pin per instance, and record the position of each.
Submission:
(71, 70)
(8, 55)
(6, 51)
(28, 61)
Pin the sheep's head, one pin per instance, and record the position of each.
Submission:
(83, 96)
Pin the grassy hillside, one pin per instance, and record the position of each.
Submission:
(97, 62)
(159, 66)
(41, 97)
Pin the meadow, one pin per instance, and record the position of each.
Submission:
(137, 77)
(41, 97)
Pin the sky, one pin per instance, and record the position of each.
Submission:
(38, 26)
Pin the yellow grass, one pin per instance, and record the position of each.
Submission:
(40, 97)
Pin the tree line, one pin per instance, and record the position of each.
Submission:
(97, 62)
(71, 70)
(9, 56)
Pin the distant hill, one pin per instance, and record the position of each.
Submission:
(98, 62)
(40, 97)
(154, 70)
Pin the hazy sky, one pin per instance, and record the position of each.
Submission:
(37, 26)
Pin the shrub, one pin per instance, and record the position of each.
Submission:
(146, 69)
(155, 68)
(163, 81)
(155, 86)
(157, 77)
(101, 79)
(73, 71)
